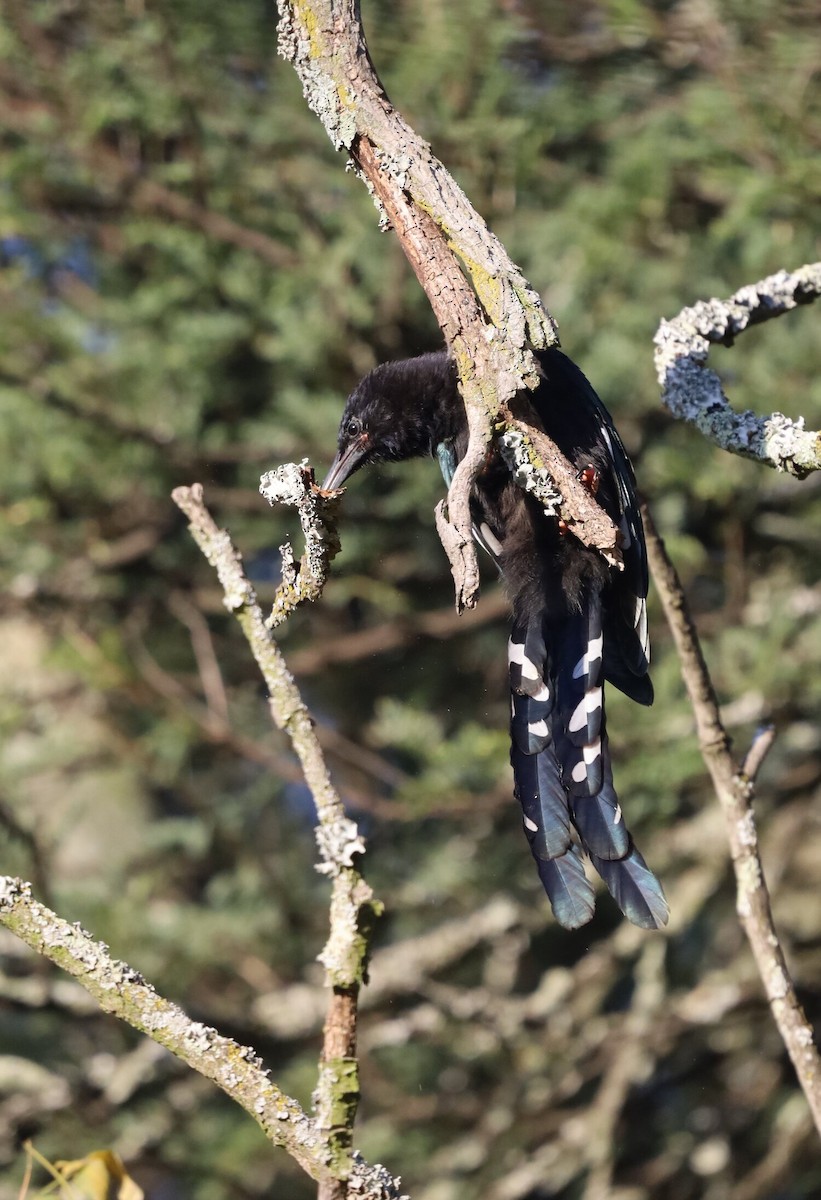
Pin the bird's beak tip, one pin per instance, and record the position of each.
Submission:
(334, 481)
(344, 465)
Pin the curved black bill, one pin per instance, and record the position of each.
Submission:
(344, 465)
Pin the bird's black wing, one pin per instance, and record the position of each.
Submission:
(589, 431)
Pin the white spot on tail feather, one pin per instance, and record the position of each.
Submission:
(593, 652)
(537, 728)
(515, 651)
(542, 694)
(591, 753)
(641, 610)
(589, 703)
(531, 825)
(516, 655)
(579, 718)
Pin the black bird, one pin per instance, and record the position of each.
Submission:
(576, 620)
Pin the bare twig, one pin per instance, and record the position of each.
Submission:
(735, 791)
(24, 1186)
(353, 907)
(759, 749)
(202, 644)
(694, 393)
(294, 484)
(121, 990)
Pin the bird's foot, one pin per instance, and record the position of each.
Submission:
(590, 478)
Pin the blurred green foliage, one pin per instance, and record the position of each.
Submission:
(189, 285)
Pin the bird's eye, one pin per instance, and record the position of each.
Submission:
(354, 427)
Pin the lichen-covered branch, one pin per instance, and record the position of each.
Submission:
(325, 42)
(539, 467)
(294, 484)
(490, 315)
(694, 393)
(236, 1069)
(122, 991)
(353, 907)
(735, 788)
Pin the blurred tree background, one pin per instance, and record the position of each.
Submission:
(189, 286)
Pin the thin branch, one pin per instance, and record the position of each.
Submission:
(693, 393)
(759, 749)
(236, 1069)
(202, 644)
(122, 991)
(735, 791)
(353, 907)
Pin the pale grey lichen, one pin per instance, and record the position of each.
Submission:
(536, 480)
(293, 484)
(339, 842)
(319, 88)
(693, 392)
(747, 834)
(373, 1182)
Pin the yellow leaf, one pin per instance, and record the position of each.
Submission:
(101, 1175)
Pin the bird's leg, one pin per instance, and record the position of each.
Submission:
(590, 478)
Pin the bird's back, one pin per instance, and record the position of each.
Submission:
(545, 568)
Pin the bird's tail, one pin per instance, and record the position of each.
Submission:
(562, 773)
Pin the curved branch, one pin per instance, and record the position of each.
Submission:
(735, 788)
(693, 393)
(325, 42)
(294, 484)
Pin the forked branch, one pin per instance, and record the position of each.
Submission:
(353, 907)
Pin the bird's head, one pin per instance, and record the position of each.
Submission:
(368, 433)
(400, 410)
